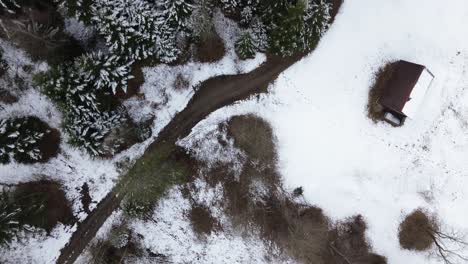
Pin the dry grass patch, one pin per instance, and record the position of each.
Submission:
(417, 231)
(383, 75)
(254, 136)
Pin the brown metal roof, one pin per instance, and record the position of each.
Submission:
(398, 89)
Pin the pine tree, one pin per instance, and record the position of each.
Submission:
(317, 20)
(286, 35)
(9, 219)
(83, 90)
(294, 26)
(20, 139)
(176, 12)
(245, 47)
(130, 27)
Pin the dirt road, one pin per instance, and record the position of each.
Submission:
(212, 94)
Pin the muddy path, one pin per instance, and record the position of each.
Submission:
(211, 95)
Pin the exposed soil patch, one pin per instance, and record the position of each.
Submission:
(416, 232)
(202, 221)
(210, 48)
(383, 75)
(49, 198)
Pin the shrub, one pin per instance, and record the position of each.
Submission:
(27, 140)
(181, 82)
(382, 76)
(417, 230)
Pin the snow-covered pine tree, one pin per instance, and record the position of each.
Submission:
(10, 6)
(130, 27)
(317, 20)
(83, 90)
(9, 219)
(245, 47)
(20, 139)
(176, 12)
(80, 9)
(286, 32)
(295, 26)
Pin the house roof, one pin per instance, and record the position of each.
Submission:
(404, 91)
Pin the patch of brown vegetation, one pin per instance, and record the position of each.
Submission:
(348, 244)
(254, 136)
(202, 221)
(6, 97)
(210, 48)
(51, 201)
(382, 76)
(417, 231)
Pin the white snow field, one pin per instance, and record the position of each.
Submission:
(347, 164)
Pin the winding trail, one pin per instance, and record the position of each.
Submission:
(213, 94)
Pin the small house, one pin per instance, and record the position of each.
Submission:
(404, 92)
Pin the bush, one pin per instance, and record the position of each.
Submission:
(382, 76)
(416, 232)
(27, 140)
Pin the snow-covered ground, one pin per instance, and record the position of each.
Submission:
(74, 167)
(347, 164)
